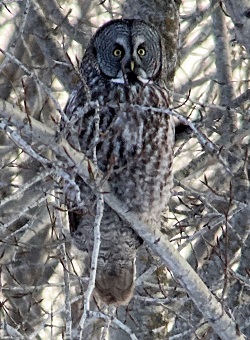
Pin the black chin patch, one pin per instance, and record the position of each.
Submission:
(131, 77)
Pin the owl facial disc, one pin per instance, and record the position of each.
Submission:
(128, 52)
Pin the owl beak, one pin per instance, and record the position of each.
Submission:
(132, 65)
(129, 70)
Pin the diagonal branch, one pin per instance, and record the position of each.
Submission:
(205, 301)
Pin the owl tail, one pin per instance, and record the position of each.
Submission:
(115, 282)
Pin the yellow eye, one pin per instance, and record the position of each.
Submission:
(141, 52)
(117, 52)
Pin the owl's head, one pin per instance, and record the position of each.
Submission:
(127, 51)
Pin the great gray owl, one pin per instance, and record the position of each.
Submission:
(122, 69)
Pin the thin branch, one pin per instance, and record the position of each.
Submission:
(52, 11)
(37, 80)
(117, 322)
(64, 261)
(18, 140)
(221, 322)
(222, 56)
(22, 213)
(94, 258)
(208, 145)
(239, 13)
(25, 15)
(25, 186)
(105, 330)
(45, 322)
(241, 99)
(11, 331)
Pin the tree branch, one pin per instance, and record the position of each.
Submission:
(239, 11)
(205, 301)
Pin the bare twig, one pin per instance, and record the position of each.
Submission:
(223, 325)
(64, 261)
(37, 80)
(94, 258)
(11, 331)
(115, 321)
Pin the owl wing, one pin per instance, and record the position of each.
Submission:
(74, 106)
(75, 109)
(76, 100)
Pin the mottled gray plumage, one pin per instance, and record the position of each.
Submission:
(123, 70)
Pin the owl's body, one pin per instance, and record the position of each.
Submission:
(134, 145)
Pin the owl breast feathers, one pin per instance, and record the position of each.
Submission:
(122, 71)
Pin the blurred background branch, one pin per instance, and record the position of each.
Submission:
(42, 277)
